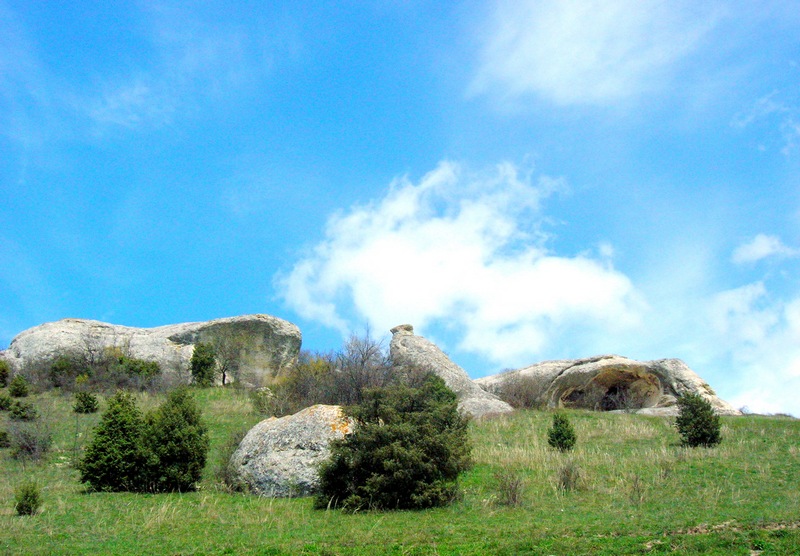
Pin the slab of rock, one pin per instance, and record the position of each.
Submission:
(406, 348)
(280, 457)
(608, 383)
(265, 344)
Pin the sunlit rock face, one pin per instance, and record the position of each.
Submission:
(281, 457)
(261, 344)
(408, 349)
(608, 383)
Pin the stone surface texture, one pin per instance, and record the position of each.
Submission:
(609, 383)
(280, 457)
(266, 344)
(406, 348)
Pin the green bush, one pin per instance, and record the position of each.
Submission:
(203, 364)
(561, 435)
(27, 499)
(176, 444)
(164, 451)
(697, 423)
(5, 440)
(114, 459)
(5, 402)
(23, 411)
(18, 387)
(85, 402)
(5, 370)
(407, 451)
(64, 370)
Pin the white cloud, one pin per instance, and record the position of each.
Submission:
(592, 52)
(761, 247)
(760, 336)
(465, 251)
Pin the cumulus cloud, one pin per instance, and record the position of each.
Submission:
(760, 335)
(761, 247)
(586, 52)
(466, 251)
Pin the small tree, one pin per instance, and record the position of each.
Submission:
(18, 387)
(203, 364)
(27, 499)
(176, 443)
(697, 423)
(561, 435)
(407, 451)
(85, 402)
(114, 459)
(5, 370)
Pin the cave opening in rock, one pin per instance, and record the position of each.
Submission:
(614, 390)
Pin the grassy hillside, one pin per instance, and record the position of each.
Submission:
(634, 491)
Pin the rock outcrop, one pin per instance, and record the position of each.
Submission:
(608, 383)
(280, 457)
(262, 343)
(415, 351)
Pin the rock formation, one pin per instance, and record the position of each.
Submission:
(262, 344)
(279, 457)
(415, 351)
(608, 382)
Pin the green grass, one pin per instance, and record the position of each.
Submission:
(638, 493)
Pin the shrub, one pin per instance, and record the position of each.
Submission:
(570, 476)
(561, 435)
(164, 451)
(5, 440)
(85, 402)
(176, 444)
(63, 371)
(29, 440)
(23, 411)
(5, 402)
(226, 476)
(520, 392)
(407, 451)
(203, 364)
(510, 486)
(113, 461)
(27, 499)
(18, 387)
(697, 423)
(5, 370)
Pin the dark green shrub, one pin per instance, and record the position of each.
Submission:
(5, 440)
(22, 411)
(18, 387)
(697, 423)
(63, 371)
(85, 402)
(30, 440)
(27, 499)
(114, 459)
(407, 451)
(5, 402)
(561, 435)
(203, 364)
(139, 368)
(5, 370)
(176, 444)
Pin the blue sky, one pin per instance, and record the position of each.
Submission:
(520, 180)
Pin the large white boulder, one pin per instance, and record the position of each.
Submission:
(408, 349)
(608, 383)
(265, 344)
(280, 457)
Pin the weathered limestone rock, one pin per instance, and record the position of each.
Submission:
(409, 349)
(263, 344)
(608, 383)
(279, 457)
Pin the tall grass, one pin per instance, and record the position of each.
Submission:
(641, 492)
